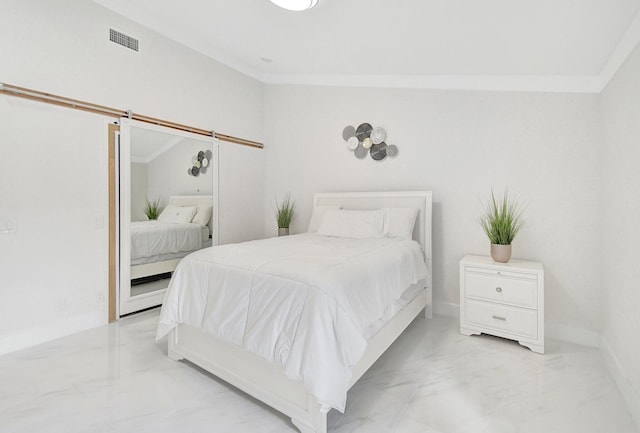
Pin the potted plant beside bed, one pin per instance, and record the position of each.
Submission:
(152, 209)
(285, 213)
(501, 222)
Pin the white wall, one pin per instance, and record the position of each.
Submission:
(543, 147)
(139, 193)
(168, 173)
(53, 270)
(621, 229)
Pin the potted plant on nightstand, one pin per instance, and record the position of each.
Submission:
(285, 213)
(152, 209)
(501, 222)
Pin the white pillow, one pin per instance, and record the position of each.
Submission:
(202, 216)
(316, 217)
(357, 224)
(399, 222)
(177, 214)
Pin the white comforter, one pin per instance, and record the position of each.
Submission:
(153, 238)
(303, 302)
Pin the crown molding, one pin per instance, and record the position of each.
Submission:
(622, 51)
(156, 153)
(498, 83)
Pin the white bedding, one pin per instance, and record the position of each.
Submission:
(305, 302)
(153, 238)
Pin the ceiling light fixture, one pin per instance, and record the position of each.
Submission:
(295, 5)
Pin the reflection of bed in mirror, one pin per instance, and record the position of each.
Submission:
(183, 227)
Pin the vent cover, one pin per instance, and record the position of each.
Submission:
(122, 39)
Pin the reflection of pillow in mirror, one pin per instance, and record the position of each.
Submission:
(202, 216)
(399, 222)
(356, 224)
(177, 214)
(316, 217)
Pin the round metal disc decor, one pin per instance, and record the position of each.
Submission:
(208, 154)
(203, 170)
(200, 155)
(378, 135)
(367, 143)
(392, 150)
(205, 161)
(352, 143)
(364, 131)
(378, 151)
(348, 132)
(195, 170)
(360, 152)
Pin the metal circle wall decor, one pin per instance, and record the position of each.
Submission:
(200, 162)
(378, 152)
(363, 131)
(365, 139)
(352, 143)
(378, 135)
(360, 152)
(348, 132)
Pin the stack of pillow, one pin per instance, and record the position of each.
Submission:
(186, 214)
(362, 224)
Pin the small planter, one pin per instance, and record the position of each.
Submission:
(283, 231)
(500, 253)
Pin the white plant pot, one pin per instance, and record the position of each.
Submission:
(500, 253)
(283, 231)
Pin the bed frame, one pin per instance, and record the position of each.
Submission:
(267, 382)
(162, 267)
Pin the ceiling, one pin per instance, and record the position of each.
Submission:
(402, 43)
(147, 144)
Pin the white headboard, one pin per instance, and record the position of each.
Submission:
(200, 200)
(191, 200)
(376, 200)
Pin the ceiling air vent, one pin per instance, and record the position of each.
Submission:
(122, 39)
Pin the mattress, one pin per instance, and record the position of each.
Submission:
(151, 239)
(307, 303)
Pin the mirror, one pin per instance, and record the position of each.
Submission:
(167, 207)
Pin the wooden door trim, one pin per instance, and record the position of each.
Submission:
(113, 227)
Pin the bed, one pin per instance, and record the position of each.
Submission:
(302, 363)
(157, 247)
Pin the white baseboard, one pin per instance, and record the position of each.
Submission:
(51, 331)
(571, 334)
(629, 394)
(447, 309)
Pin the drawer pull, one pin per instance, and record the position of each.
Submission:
(500, 318)
(499, 289)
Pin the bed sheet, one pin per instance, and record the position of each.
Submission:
(153, 238)
(304, 302)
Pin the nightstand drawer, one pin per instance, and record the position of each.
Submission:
(506, 289)
(513, 320)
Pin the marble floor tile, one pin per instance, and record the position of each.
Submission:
(116, 379)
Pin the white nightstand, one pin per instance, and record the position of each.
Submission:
(503, 299)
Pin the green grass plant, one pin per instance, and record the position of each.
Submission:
(285, 212)
(152, 209)
(502, 219)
